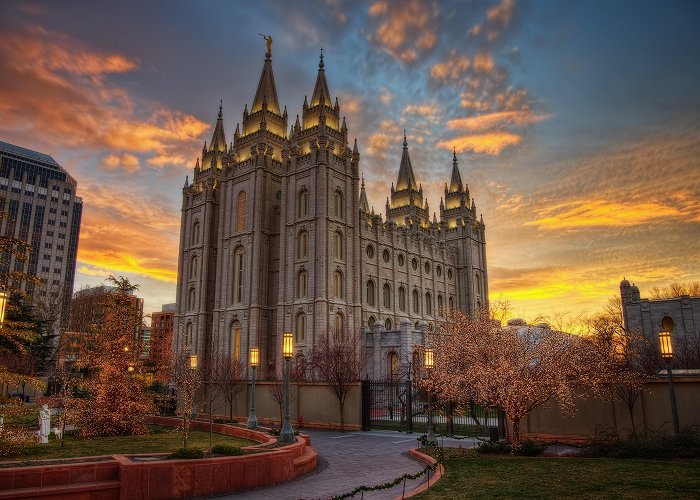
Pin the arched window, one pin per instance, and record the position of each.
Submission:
(195, 232)
(301, 327)
(302, 284)
(303, 245)
(191, 299)
(428, 304)
(303, 203)
(402, 298)
(370, 292)
(188, 336)
(338, 207)
(338, 245)
(393, 365)
(339, 328)
(371, 321)
(451, 303)
(235, 341)
(241, 211)
(238, 265)
(338, 285)
(416, 302)
(441, 306)
(386, 295)
(387, 324)
(193, 267)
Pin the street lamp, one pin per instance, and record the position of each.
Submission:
(287, 434)
(254, 359)
(429, 364)
(193, 361)
(667, 354)
(3, 305)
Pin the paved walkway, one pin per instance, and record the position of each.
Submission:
(351, 459)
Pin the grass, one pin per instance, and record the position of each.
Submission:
(161, 440)
(520, 477)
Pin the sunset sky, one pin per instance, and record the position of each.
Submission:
(576, 124)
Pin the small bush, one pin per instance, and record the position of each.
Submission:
(653, 445)
(15, 441)
(225, 421)
(530, 449)
(188, 453)
(227, 449)
(489, 447)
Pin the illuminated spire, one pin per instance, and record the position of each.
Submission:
(218, 140)
(266, 89)
(321, 87)
(456, 181)
(406, 178)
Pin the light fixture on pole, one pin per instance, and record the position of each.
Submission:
(429, 364)
(3, 306)
(254, 360)
(193, 361)
(666, 348)
(286, 433)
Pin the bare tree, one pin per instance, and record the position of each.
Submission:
(675, 290)
(187, 376)
(230, 380)
(340, 363)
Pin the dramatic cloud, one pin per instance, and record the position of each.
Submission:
(406, 29)
(491, 143)
(451, 69)
(126, 162)
(497, 20)
(56, 88)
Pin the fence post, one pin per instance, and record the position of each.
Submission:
(449, 417)
(366, 402)
(409, 403)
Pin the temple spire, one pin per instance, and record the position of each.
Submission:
(266, 87)
(406, 178)
(456, 181)
(364, 205)
(218, 140)
(321, 92)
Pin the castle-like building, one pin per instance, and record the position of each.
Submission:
(277, 235)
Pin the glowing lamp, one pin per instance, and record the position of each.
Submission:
(254, 357)
(193, 361)
(429, 361)
(3, 305)
(665, 345)
(131, 369)
(287, 344)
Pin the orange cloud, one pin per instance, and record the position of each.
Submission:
(483, 63)
(498, 18)
(379, 142)
(406, 29)
(602, 213)
(421, 109)
(451, 69)
(128, 163)
(56, 89)
(495, 120)
(490, 143)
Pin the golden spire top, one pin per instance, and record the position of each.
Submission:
(268, 42)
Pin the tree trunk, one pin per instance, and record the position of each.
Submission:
(342, 416)
(230, 409)
(211, 418)
(516, 436)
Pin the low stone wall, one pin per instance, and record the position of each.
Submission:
(594, 417)
(119, 477)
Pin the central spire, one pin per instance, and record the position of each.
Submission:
(218, 140)
(456, 181)
(321, 87)
(267, 92)
(406, 177)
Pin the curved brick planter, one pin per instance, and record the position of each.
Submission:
(428, 460)
(120, 477)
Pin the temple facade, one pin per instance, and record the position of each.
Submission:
(277, 235)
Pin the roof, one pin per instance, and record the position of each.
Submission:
(28, 153)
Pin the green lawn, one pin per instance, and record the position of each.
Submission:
(162, 440)
(520, 477)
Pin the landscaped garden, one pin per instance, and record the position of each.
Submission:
(161, 440)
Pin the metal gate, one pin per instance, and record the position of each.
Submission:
(402, 406)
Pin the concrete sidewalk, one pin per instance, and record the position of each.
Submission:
(351, 459)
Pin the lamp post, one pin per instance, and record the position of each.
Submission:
(254, 359)
(667, 354)
(3, 306)
(429, 364)
(193, 361)
(286, 433)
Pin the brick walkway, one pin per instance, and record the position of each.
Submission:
(349, 460)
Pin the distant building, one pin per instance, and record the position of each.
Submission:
(89, 310)
(680, 315)
(40, 199)
(161, 341)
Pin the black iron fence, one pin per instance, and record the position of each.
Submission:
(402, 406)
